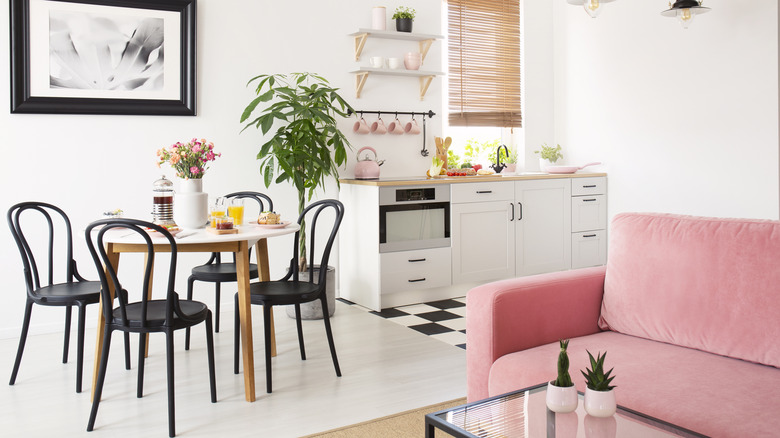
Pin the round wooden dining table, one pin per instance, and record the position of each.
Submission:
(201, 240)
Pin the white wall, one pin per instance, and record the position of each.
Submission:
(89, 164)
(684, 120)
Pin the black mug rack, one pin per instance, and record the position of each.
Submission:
(424, 152)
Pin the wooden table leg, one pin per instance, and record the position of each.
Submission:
(245, 316)
(261, 249)
(113, 258)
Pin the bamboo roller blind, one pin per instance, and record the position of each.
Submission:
(484, 63)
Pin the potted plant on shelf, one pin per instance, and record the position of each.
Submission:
(561, 392)
(599, 395)
(548, 155)
(404, 16)
(307, 147)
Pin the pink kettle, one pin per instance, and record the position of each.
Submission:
(367, 168)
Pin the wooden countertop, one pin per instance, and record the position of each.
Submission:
(413, 181)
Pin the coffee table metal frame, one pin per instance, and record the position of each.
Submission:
(436, 420)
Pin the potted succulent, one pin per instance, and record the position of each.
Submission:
(561, 392)
(599, 395)
(548, 155)
(307, 146)
(403, 16)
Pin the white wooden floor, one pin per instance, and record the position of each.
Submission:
(387, 368)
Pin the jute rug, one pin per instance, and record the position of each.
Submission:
(405, 424)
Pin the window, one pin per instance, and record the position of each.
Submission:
(484, 63)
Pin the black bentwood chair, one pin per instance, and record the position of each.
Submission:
(290, 290)
(147, 315)
(74, 291)
(215, 271)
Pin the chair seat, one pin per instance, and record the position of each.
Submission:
(67, 293)
(221, 272)
(283, 292)
(155, 313)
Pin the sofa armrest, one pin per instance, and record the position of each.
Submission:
(522, 313)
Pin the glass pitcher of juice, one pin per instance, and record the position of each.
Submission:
(217, 210)
(236, 211)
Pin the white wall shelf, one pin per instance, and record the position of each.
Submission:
(425, 40)
(425, 77)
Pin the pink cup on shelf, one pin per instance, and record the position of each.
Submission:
(395, 127)
(412, 127)
(413, 60)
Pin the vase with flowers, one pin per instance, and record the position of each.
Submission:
(190, 161)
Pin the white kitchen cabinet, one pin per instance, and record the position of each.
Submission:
(589, 222)
(483, 237)
(543, 224)
(415, 270)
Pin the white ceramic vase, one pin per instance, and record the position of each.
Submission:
(191, 204)
(544, 163)
(561, 399)
(600, 403)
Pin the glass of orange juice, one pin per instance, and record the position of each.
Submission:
(236, 211)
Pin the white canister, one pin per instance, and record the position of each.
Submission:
(379, 18)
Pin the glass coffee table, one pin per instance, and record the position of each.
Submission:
(524, 414)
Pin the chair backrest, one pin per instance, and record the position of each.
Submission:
(313, 212)
(55, 218)
(96, 236)
(257, 196)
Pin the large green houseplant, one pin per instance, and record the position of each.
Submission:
(307, 146)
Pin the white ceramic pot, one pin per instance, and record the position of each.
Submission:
(561, 399)
(600, 403)
(191, 204)
(544, 163)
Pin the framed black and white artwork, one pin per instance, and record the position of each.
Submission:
(103, 56)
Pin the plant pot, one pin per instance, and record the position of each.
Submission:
(600, 403)
(403, 24)
(313, 309)
(544, 163)
(191, 204)
(561, 399)
(510, 169)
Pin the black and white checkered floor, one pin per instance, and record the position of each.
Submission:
(444, 320)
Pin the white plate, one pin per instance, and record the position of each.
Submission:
(282, 225)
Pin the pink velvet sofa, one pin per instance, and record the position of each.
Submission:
(688, 309)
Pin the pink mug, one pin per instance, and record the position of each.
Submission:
(413, 60)
(412, 127)
(378, 127)
(395, 127)
(361, 127)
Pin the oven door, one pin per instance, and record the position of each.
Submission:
(404, 227)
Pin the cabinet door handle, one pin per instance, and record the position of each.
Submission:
(513, 212)
(521, 211)
(417, 280)
(416, 260)
(588, 200)
(592, 186)
(588, 235)
(482, 192)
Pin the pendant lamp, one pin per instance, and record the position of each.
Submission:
(592, 7)
(685, 11)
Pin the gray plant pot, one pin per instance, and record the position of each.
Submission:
(313, 309)
(403, 24)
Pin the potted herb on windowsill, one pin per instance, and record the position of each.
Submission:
(561, 392)
(404, 17)
(307, 146)
(600, 395)
(548, 155)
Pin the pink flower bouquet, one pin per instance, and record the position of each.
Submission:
(190, 160)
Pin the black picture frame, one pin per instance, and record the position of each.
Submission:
(23, 99)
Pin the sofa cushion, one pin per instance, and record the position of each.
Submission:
(707, 393)
(706, 283)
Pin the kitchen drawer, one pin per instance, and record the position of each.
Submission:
(413, 270)
(588, 186)
(482, 192)
(588, 249)
(588, 213)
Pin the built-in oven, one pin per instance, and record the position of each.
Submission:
(414, 217)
